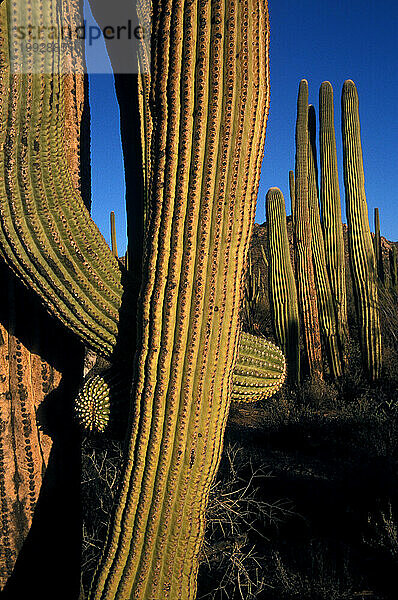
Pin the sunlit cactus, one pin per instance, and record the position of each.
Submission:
(260, 370)
(331, 209)
(282, 285)
(303, 247)
(209, 97)
(292, 190)
(362, 256)
(377, 247)
(326, 308)
(113, 234)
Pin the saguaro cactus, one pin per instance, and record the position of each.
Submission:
(327, 314)
(331, 209)
(377, 247)
(282, 285)
(210, 97)
(209, 101)
(302, 228)
(292, 190)
(35, 354)
(362, 257)
(259, 372)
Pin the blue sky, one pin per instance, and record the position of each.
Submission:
(318, 41)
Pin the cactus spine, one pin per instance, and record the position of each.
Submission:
(362, 257)
(327, 315)
(377, 247)
(302, 229)
(209, 95)
(282, 285)
(331, 209)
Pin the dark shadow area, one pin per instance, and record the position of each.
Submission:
(48, 564)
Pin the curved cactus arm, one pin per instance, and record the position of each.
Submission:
(46, 234)
(362, 257)
(282, 285)
(326, 309)
(331, 208)
(210, 99)
(303, 249)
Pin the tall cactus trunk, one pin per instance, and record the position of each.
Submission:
(331, 210)
(362, 257)
(210, 99)
(282, 285)
(327, 314)
(292, 190)
(377, 247)
(302, 229)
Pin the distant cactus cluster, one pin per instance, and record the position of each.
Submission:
(314, 300)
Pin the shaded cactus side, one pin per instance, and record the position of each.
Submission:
(282, 285)
(362, 256)
(331, 209)
(326, 309)
(394, 268)
(303, 244)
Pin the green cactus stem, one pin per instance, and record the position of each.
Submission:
(331, 210)
(362, 256)
(303, 243)
(292, 190)
(47, 236)
(326, 309)
(282, 285)
(113, 235)
(377, 247)
(209, 96)
(260, 370)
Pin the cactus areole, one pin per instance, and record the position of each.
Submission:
(208, 97)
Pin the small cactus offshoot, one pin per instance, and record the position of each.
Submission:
(260, 369)
(97, 403)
